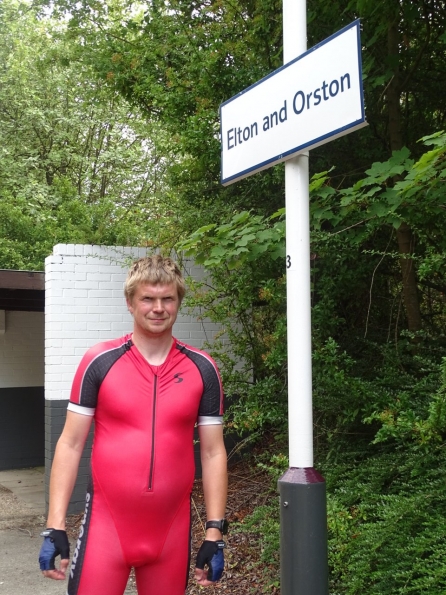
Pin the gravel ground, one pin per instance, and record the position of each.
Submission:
(244, 573)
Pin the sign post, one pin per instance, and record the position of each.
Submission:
(315, 97)
(303, 508)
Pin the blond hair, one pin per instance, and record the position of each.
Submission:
(156, 270)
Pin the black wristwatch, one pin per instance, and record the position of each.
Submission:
(222, 525)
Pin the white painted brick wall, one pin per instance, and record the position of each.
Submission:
(85, 304)
(21, 350)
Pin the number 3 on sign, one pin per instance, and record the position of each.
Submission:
(288, 261)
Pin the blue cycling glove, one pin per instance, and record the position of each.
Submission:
(211, 554)
(55, 543)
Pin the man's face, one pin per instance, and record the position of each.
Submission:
(154, 308)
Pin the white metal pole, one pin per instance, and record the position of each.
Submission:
(300, 412)
(300, 415)
(294, 29)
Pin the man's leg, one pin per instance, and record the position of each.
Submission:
(98, 566)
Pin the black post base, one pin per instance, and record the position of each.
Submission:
(303, 533)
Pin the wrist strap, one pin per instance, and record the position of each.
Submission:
(222, 525)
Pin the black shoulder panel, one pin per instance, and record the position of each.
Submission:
(212, 399)
(95, 373)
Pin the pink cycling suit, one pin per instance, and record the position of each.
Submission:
(138, 504)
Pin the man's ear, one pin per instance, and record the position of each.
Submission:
(129, 306)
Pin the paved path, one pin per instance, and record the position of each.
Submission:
(21, 520)
(28, 486)
(19, 572)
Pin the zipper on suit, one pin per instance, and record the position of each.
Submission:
(152, 459)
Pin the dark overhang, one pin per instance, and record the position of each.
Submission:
(22, 290)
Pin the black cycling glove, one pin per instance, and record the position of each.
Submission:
(211, 554)
(55, 543)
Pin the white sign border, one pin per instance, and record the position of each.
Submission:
(338, 132)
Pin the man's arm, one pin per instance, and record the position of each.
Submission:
(215, 482)
(63, 476)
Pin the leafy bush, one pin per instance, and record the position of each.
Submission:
(386, 521)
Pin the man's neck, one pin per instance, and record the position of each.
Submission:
(155, 349)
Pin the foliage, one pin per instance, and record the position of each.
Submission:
(246, 238)
(245, 293)
(246, 286)
(403, 67)
(177, 61)
(412, 419)
(386, 522)
(365, 217)
(77, 165)
(264, 520)
(417, 196)
(386, 500)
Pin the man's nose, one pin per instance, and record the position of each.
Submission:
(158, 304)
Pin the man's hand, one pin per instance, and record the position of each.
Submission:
(55, 544)
(210, 554)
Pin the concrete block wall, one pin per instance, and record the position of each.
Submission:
(84, 304)
(21, 390)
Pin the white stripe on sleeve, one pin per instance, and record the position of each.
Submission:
(82, 410)
(208, 420)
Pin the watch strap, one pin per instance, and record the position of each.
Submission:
(221, 525)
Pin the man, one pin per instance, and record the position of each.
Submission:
(145, 392)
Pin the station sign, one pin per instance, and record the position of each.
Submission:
(309, 101)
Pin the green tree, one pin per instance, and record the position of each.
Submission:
(404, 44)
(77, 165)
(396, 191)
(177, 62)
